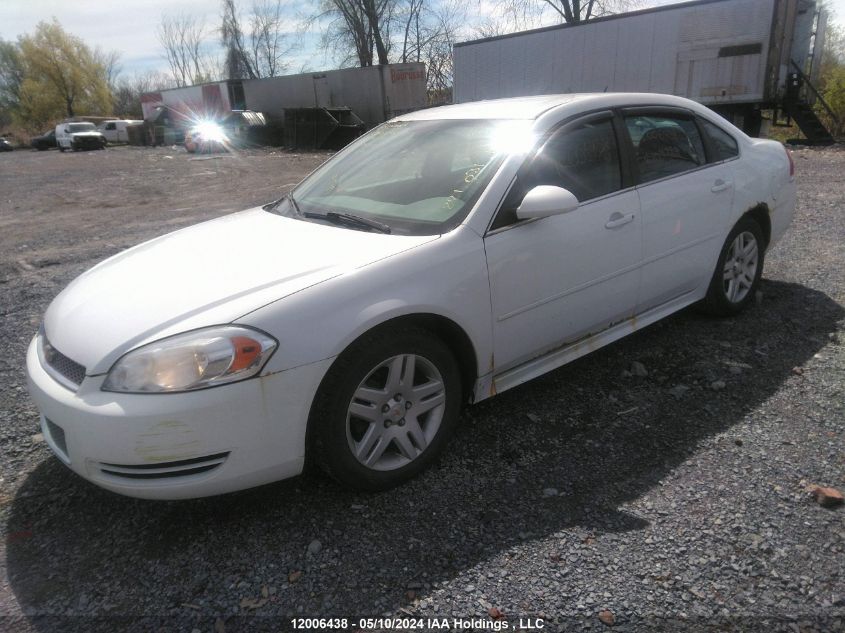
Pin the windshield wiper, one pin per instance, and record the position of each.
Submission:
(350, 219)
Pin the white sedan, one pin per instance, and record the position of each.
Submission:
(446, 256)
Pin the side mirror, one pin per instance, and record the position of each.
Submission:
(546, 200)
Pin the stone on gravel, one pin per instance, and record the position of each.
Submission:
(717, 385)
(37, 438)
(314, 547)
(550, 492)
(496, 613)
(827, 497)
(679, 390)
(607, 617)
(638, 369)
(250, 604)
(294, 576)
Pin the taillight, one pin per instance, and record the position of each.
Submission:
(791, 163)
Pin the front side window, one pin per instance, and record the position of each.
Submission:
(723, 144)
(415, 177)
(583, 158)
(664, 146)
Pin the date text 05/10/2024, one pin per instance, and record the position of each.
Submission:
(419, 624)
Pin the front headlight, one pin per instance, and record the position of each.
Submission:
(194, 360)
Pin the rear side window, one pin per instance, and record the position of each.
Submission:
(724, 145)
(664, 146)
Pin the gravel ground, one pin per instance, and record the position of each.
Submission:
(593, 497)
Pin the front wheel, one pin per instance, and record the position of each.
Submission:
(386, 409)
(737, 275)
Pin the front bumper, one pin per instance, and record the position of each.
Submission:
(87, 142)
(179, 445)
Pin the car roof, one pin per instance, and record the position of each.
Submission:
(530, 108)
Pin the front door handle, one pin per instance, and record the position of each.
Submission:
(720, 185)
(617, 219)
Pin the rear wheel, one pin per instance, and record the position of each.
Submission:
(386, 409)
(737, 275)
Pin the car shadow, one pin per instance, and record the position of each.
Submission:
(600, 437)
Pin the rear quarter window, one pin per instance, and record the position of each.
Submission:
(724, 145)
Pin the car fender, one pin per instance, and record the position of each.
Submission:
(321, 321)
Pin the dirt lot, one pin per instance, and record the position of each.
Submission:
(673, 501)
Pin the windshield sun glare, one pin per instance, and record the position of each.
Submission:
(415, 177)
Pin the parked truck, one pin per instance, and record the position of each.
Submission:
(739, 57)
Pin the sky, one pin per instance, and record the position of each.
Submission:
(130, 27)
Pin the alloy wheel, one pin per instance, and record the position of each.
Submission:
(395, 412)
(740, 267)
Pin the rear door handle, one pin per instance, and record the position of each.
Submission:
(721, 185)
(617, 219)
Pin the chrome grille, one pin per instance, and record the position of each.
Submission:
(164, 470)
(61, 364)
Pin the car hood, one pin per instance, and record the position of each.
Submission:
(208, 274)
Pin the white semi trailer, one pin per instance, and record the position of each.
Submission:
(736, 56)
(374, 94)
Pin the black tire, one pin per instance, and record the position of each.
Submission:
(61, 149)
(328, 439)
(718, 302)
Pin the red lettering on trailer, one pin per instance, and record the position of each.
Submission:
(406, 75)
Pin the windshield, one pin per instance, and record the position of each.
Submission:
(414, 177)
(81, 127)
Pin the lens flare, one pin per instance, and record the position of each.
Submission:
(512, 137)
(211, 131)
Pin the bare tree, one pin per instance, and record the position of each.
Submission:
(570, 11)
(444, 27)
(128, 91)
(110, 61)
(238, 62)
(429, 31)
(358, 26)
(269, 44)
(260, 51)
(414, 26)
(182, 37)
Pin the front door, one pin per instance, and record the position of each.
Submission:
(561, 278)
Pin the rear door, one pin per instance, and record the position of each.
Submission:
(558, 279)
(685, 202)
